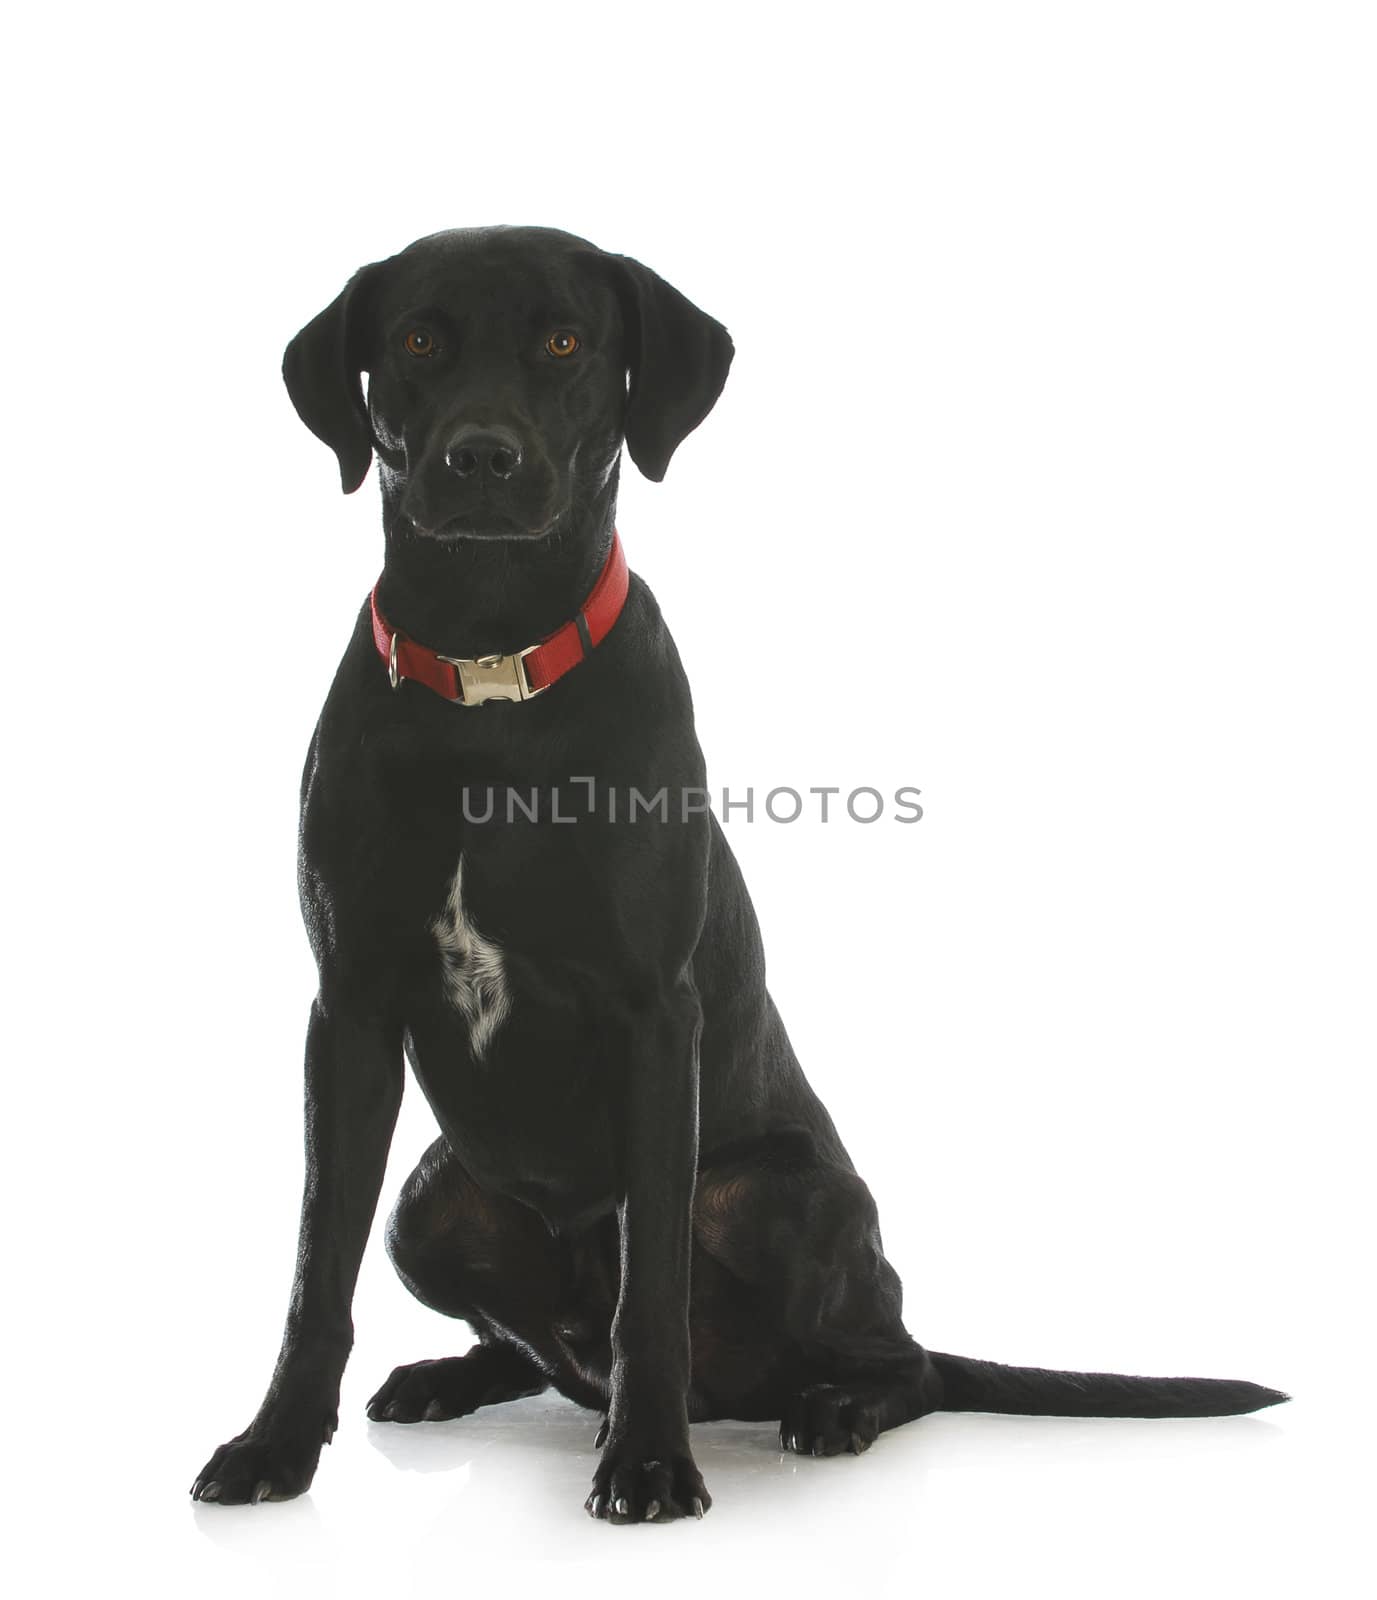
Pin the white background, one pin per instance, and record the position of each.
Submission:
(1048, 447)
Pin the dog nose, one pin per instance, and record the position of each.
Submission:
(474, 450)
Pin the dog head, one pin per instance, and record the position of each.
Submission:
(505, 368)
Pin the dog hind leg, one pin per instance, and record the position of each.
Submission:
(795, 1268)
(481, 1257)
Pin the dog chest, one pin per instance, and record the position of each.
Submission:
(473, 968)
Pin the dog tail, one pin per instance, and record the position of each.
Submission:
(1032, 1392)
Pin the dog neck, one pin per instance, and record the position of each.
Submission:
(473, 597)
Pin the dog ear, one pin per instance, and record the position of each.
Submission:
(321, 369)
(678, 358)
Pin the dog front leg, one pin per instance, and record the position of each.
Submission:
(353, 1090)
(647, 1471)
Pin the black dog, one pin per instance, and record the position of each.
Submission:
(636, 1197)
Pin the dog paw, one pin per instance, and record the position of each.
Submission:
(263, 1465)
(435, 1391)
(827, 1420)
(633, 1485)
(425, 1391)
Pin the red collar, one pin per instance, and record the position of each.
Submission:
(518, 676)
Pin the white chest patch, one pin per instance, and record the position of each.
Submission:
(475, 975)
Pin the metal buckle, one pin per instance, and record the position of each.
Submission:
(392, 675)
(494, 678)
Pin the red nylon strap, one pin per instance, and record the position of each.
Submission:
(549, 661)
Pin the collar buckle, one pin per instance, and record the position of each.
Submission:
(494, 678)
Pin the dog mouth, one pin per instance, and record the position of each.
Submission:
(466, 526)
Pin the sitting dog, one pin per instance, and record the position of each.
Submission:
(636, 1197)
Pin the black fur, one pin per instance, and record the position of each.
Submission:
(635, 1197)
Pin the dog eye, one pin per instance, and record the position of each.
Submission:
(561, 344)
(420, 342)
